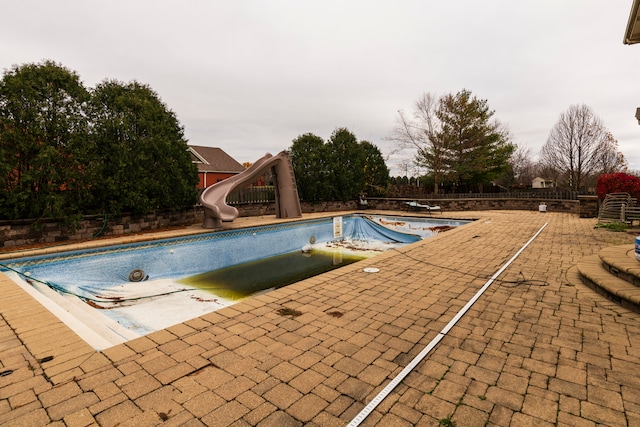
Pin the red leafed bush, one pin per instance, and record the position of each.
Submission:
(618, 182)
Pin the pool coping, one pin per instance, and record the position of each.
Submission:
(195, 229)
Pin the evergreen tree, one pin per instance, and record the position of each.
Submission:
(477, 150)
(347, 165)
(309, 159)
(47, 157)
(455, 139)
(145, 164)
(376, 172)
(340, 169)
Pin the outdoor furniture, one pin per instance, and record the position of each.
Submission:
(362, 203)
(618, 207)
(418, 206)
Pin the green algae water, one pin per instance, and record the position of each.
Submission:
(239, 281)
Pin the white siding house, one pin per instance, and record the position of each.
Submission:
(538, 182)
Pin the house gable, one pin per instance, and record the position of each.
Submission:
(196, 157)
(213, 159)
(214, 164)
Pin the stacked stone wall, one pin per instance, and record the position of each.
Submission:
(28, 232)
(478, 204)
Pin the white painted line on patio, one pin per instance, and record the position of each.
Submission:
(411, 366)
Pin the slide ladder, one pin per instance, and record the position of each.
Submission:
(213, 198)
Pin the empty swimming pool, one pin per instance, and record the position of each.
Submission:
(113, 294)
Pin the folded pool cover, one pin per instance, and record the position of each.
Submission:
(364, 229)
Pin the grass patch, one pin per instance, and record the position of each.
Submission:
(612, 226)
(447, 422)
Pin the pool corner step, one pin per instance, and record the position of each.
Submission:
(607, 275)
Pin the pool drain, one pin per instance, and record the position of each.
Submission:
(136, 275)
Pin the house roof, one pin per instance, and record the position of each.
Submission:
(632, 35)
(213, 159)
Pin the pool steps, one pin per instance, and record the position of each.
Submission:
(615, 274)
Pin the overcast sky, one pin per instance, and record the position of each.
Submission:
(249, 76)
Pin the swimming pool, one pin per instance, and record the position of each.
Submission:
(113, 294)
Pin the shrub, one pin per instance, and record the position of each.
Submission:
(618, 182)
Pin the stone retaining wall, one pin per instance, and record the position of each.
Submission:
(589, 206)
(26, 232)
(477, 204)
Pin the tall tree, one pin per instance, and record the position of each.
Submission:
(477, 149)
(347, 164)
(609, 159)
(579, 148)
(523, 168)
(421, 132)
(455, 138)
(340, 169)
(308, 156)
(145, 163)
(46, 154)
(376, 172)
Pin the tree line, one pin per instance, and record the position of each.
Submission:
(459, 146)
(341, 168)
(67, 150)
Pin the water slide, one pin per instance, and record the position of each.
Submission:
(213, 198)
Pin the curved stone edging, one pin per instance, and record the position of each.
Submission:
(613, 274)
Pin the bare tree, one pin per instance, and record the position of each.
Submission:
(407, 166)
(611, 160)
(420, 133)
(578, 147)
(522, 165)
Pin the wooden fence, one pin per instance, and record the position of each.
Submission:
(257, 194)
(542, 194)
(267, 194)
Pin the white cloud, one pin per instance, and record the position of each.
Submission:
(249, 76)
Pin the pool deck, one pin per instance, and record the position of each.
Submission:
(537, 348)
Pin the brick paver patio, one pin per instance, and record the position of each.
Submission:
(537, 348)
